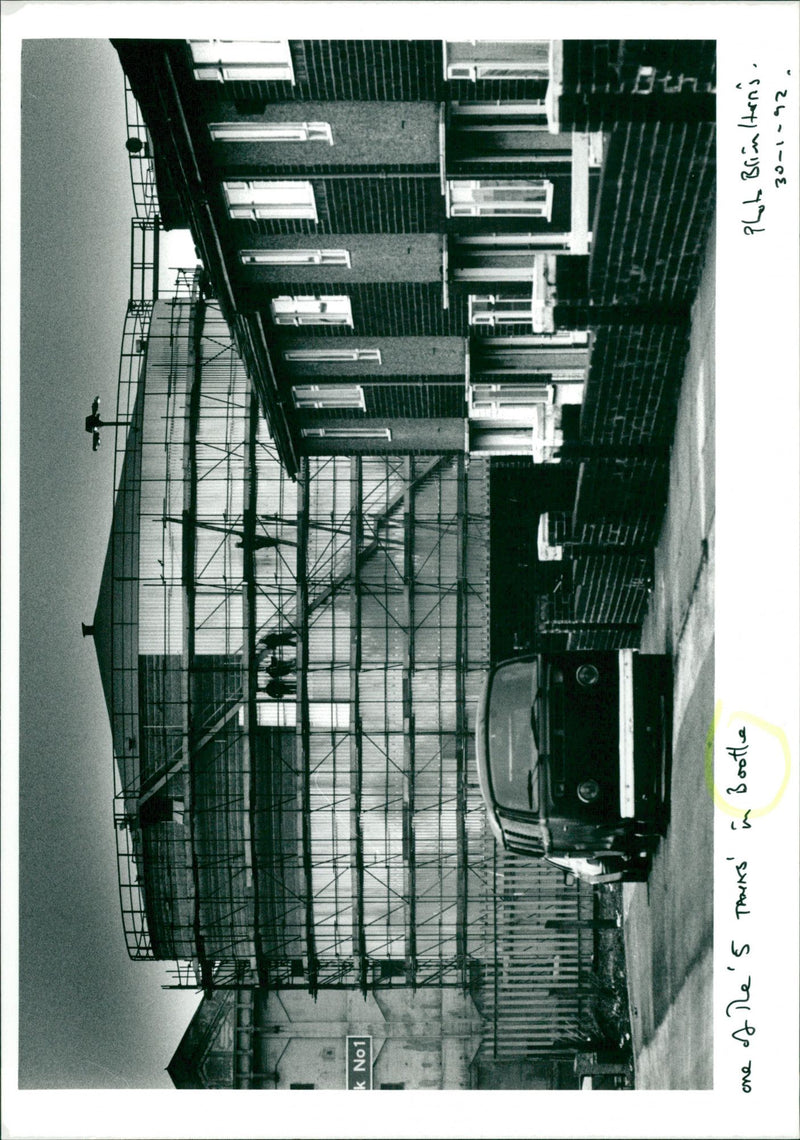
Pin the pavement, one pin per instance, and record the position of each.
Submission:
(668, 921)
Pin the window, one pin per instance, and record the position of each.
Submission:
(242, 59)
(346, 433)
(328, 396)
(333, 355)
(271, 132)
(311, 311)
(500, 59)
(496, 198)
(534, 310)
(532, 109)
(561, 339)
(507, 401)
(296, 257)
(497, 311)
(300, 1085)
(501, 439)
(270, 200)
(283, 714)
(393, 1084)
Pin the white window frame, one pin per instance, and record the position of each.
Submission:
(492, 310)
(259, 60)
(271, 132)
(528, 108)
(340, 257)
(500, 198)
(495, 312)
(270, 199)
(487, 59)
(283, 714)
(307, 310)
(354, 432)
(504, 401)
(490, 438)
(562, 339)
(332, 356)
(328, 396)
(535, 310)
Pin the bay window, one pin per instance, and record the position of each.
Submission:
(311, 311)
(259, 60)
(500, 198)
(260, 199)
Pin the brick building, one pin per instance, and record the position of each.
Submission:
(373, 221)
(419, 248)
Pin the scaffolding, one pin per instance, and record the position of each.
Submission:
(140, 157)
(295, 673)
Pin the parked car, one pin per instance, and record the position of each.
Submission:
(573, 754)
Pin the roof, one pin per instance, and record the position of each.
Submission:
(116, 613)
(185, 1068)
(139, 62)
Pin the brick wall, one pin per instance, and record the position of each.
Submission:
(354, 69)
(373, 257)
(634, 380)
(366, 134)
(412, 356)
(391, 204)
(611, 588)
(616, 65)
(655, 206)
(397, 396)
(627, 489)
(409, 436)
(656, 201)
(611, 81)
(379, 309)
(616, 531)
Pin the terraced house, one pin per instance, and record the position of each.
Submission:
(411, 415)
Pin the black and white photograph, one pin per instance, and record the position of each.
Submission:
(400, 569)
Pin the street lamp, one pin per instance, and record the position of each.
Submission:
(94, 423)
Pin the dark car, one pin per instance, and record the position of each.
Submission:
(573, 751)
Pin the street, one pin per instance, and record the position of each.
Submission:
(668, 921)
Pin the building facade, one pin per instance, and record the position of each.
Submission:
(375, 239)
(441, 247)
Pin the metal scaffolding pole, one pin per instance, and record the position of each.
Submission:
(188, 545)
(409, 742)
(356, 741)
(374, 544)
(159, 779)
(461, 717)
(250, 668)
(303, 726)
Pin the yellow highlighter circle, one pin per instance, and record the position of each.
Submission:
(764, 726)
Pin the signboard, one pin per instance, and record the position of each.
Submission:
(359, 1063)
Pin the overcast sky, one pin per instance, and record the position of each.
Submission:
(89, 1017)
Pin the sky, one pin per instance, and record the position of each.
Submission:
(89, 1016)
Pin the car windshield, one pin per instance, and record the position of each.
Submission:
(512, 749)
